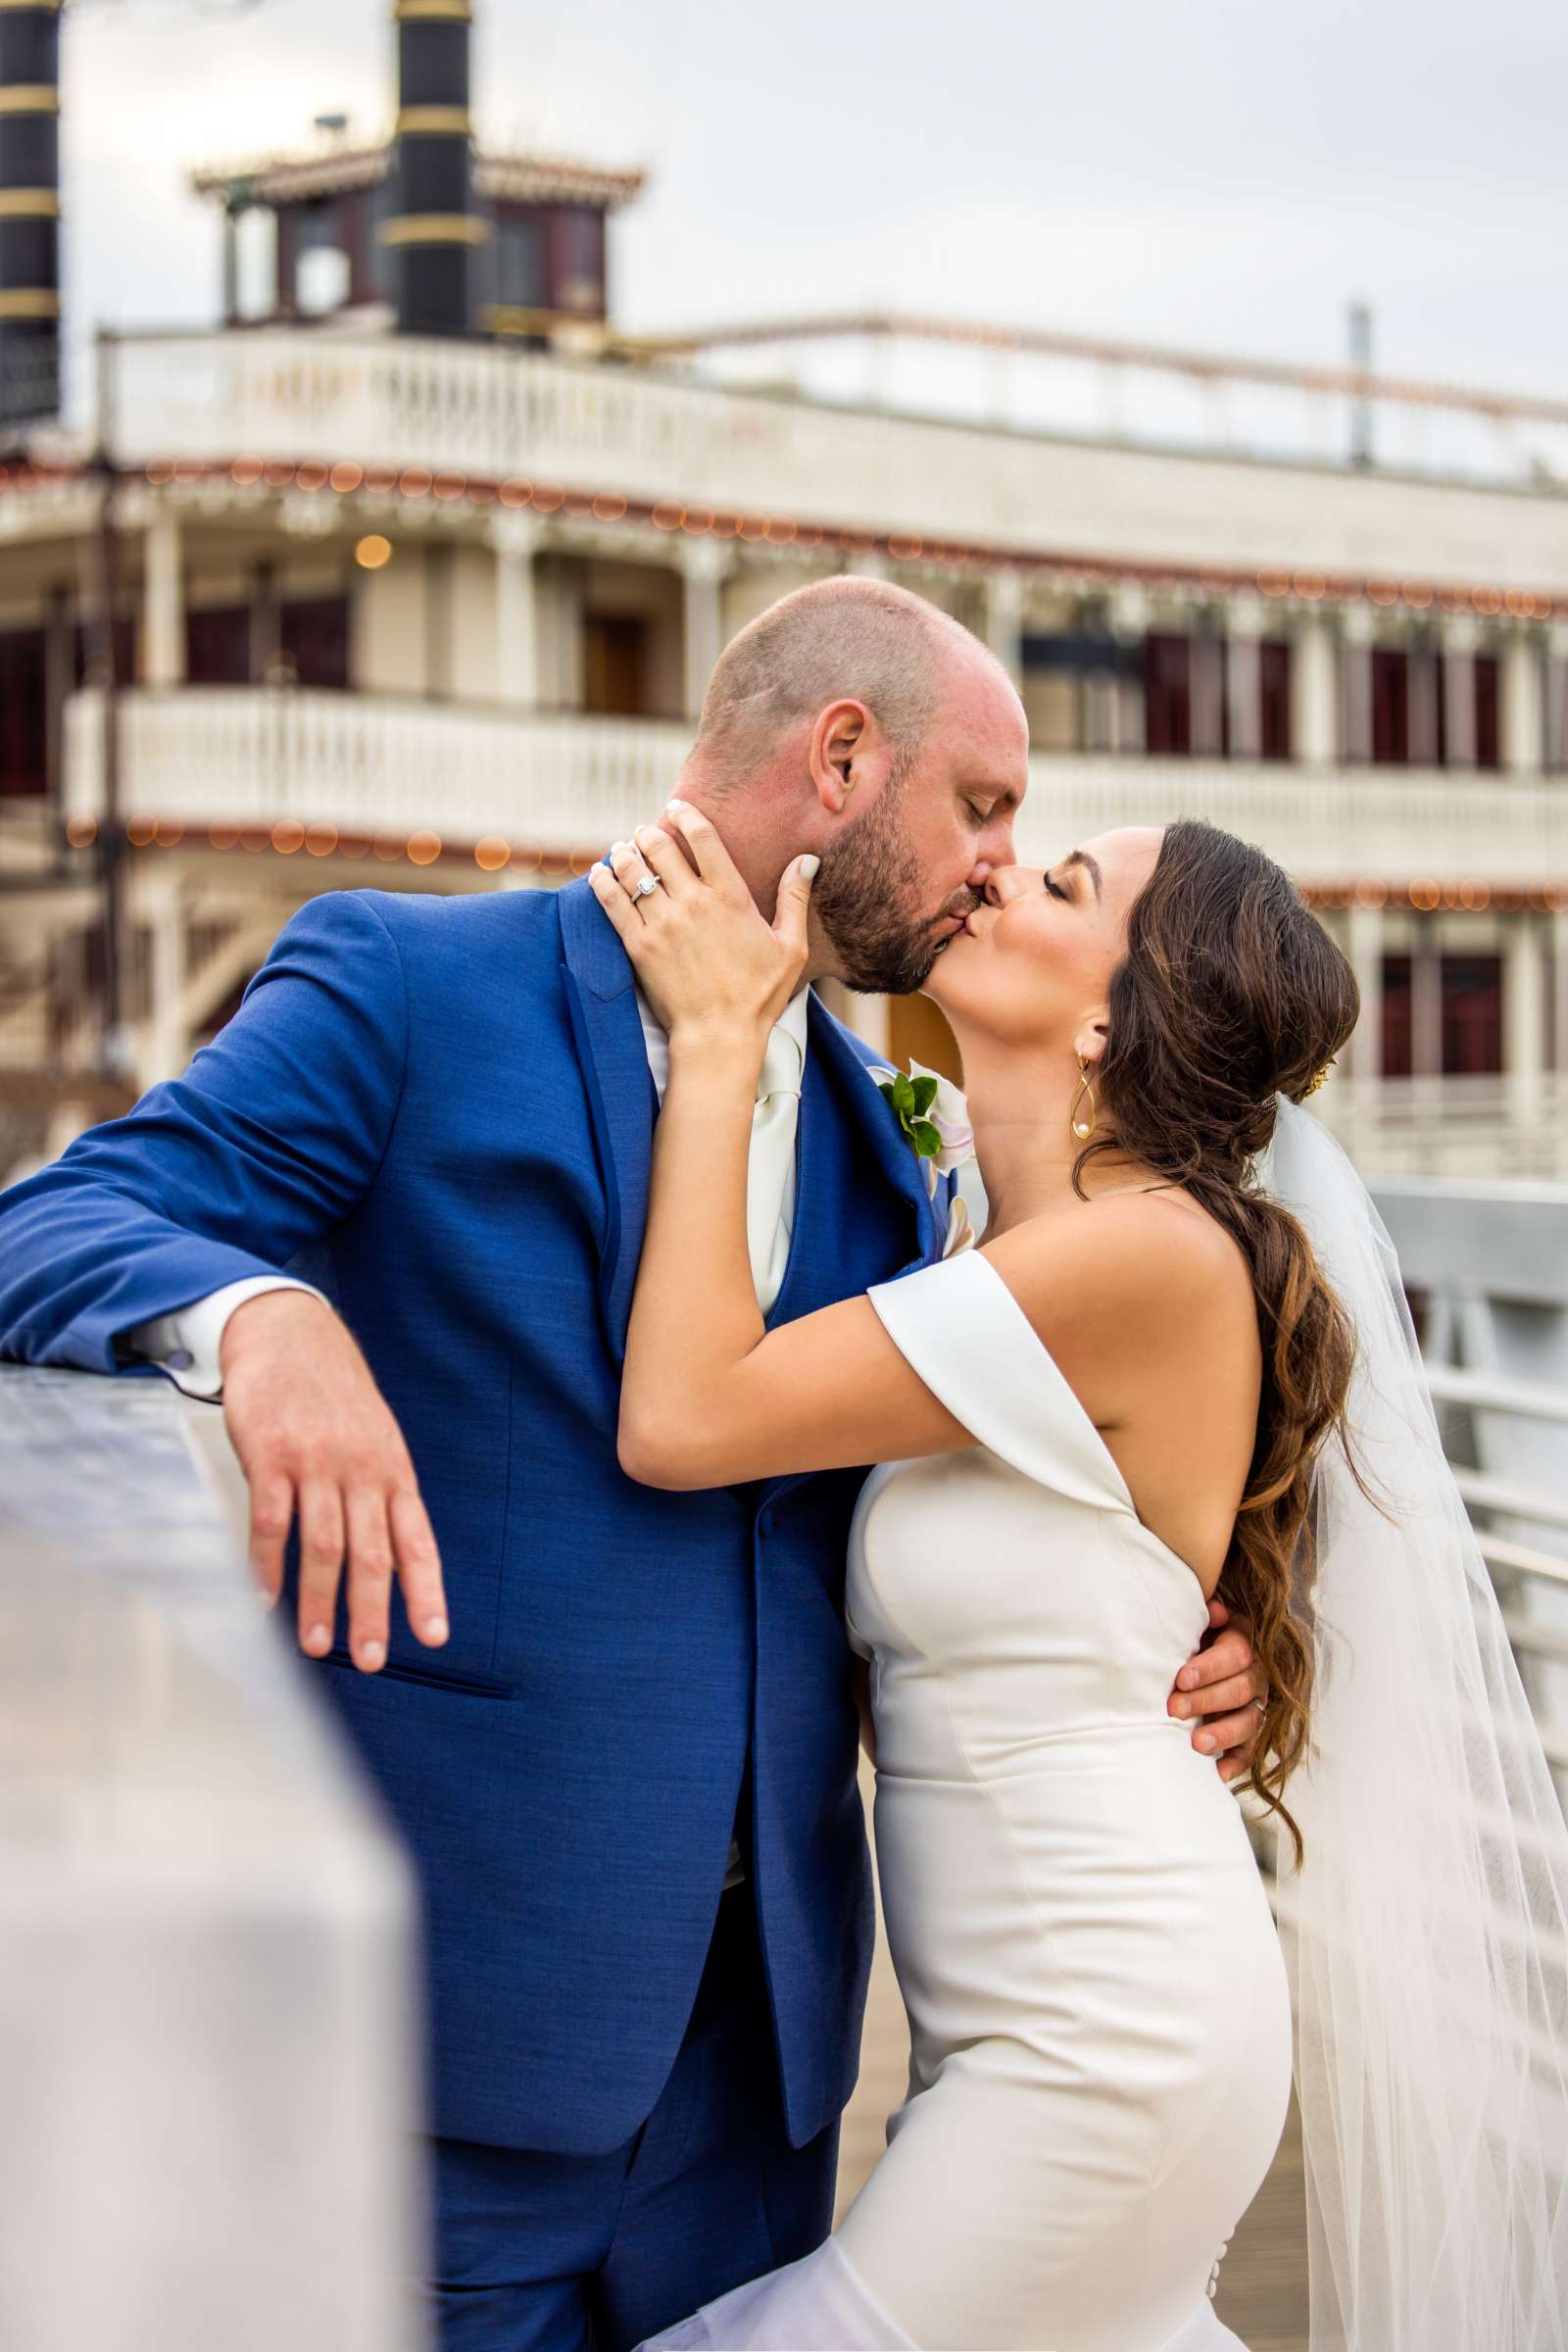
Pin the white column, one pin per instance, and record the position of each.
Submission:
(1314, 696)
(1355, 688)
(1208, 695)
(1004, 621)
(1244, 678)
(1555, 747)
(162, 608)
(514, 539)
(1459, 689)
(1363, 1064)
(1559, 1008)
(1521, 701)
(1524, 1009)
(160, 904)
(1425, 677)
(1129, 626)
(1366, 959)
(705, 564)
(1426, 1004)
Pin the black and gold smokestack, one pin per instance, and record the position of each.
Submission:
(437, 226)
(30, 210)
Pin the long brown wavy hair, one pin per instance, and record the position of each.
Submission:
(1230, 995)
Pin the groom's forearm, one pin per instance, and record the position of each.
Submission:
(222, 1175)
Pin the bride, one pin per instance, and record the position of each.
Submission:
(1140, 1389)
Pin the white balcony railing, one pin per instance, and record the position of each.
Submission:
(1458, 1129)
(362, 763)
(556, 781)
(486, 413)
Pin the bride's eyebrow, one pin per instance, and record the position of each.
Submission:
(1090, 866)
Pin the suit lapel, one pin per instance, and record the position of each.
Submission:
(876, 1125)
(603, 1002)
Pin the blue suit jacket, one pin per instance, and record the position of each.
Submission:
(440, 1110)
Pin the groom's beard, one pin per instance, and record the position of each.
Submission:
(869, 880)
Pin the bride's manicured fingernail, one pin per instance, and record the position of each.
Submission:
(1206, 1742)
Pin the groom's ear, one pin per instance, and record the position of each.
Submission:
(848, 757)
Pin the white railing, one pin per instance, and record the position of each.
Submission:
(209, 2025)
(487, 414)
(199, 755)
(1457, 1128)
(254, 755)
(1342, 825)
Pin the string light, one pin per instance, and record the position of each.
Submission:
(491, 854)
(1087, 574)
(372, 551)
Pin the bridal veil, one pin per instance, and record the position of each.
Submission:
(1426, 1932)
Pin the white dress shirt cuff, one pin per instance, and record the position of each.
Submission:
(186, 1344)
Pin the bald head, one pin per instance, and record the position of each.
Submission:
(850, 638)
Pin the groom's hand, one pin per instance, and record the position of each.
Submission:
(315, 1440)
(1219, 1685)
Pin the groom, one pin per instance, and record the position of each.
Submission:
(625, 1769)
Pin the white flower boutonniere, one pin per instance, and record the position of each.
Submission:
(933, 1116)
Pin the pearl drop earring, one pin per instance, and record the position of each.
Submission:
(1084, 1128)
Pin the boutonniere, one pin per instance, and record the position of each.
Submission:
(933, 1117)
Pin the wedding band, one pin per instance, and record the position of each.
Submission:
(646, 886)
(1261, 1704)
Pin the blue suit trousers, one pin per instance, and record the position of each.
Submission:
(552, 2253)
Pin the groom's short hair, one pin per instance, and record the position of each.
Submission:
(850, 637)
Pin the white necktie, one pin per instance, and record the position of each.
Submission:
(775, 1122)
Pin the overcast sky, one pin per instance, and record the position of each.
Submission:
(1222, 172)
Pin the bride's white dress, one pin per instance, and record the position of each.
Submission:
(1097, 2002)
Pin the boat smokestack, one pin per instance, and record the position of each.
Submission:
(29, 211)
(437, 226)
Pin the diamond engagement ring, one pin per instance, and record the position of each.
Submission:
(646, 886)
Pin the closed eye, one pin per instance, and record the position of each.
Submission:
(1057, 890)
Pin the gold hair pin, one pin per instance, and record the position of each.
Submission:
(1322, 1076)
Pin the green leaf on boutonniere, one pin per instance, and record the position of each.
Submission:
(909, 1099)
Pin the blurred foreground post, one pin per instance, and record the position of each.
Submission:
(206, 1994)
